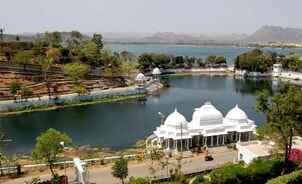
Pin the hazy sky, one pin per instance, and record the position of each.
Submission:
(182, 16)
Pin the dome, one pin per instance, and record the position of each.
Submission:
(207, 115)
(236, 115)
(140, 77)
(176, 119)
(156, 71)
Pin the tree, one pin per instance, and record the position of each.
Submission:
(15, 86)
(216, 60)
(90, 53)
(74, 42)
(255, 61)
(23, 57)
(46, 63)
(53, 39)
(98, 40)
(48, 147)
(76, 71)
(283, 117)
(54, 53)
(80, 89)
(120, 169)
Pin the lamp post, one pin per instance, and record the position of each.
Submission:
(62, 144)
(162, 117)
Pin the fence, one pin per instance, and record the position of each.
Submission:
(12, 168)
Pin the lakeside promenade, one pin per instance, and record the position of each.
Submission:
(94, 95)
(102, 175)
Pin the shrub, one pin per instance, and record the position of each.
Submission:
(230, 174)
(260, 171)
(138, 180)
(292, 178)
(199, 180)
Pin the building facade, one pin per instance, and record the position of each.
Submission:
(208, 128)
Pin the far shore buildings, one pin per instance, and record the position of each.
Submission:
(208, 128)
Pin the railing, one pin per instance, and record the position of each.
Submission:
(93, 161)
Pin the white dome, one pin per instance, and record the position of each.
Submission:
(156, 71)
(140, 77)
(236, 115)
(207, 115)
(176, 119)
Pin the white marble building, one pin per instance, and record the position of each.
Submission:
(208, 128)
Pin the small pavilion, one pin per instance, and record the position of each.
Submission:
(140, 79)
(208, 128)
(156, 73)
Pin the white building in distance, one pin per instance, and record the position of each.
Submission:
(208, 128)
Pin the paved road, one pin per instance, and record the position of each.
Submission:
(190, 165)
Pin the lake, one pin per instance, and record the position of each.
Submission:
(229, 52)
(120, 125)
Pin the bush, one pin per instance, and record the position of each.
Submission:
(261, 170)
(292, 178)
(138, 180)
(230, 174)
(199, 180)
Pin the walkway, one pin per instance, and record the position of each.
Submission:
(190, 165)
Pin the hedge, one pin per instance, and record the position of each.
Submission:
(292, 178)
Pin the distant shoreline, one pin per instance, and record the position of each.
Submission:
(201, 44)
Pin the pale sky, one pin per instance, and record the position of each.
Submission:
(148, 16)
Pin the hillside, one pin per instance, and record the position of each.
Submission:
(263, 35)
(32, 37)
(276, 34)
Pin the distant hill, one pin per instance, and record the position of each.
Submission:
(28, 37)
(265, 34)
(276, 34)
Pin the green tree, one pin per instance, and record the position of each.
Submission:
(112, 63)
(120, 169)
(46, 63)
(255, 61)
(15, 86)
(98, 40)
(53, 39)
(283, 116)
(80, 89)
(48, 147)
(23, 57)
(90, 53)
(76, 71)
(74, 42)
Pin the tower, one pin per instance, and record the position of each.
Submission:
(1, 34)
